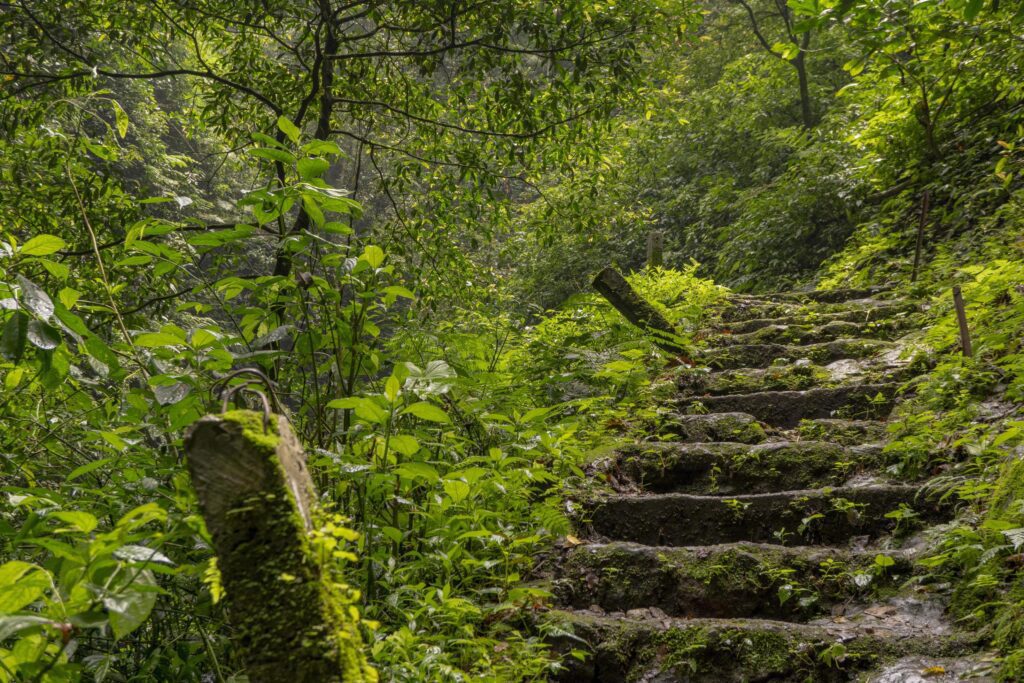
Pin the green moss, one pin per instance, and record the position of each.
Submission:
(253, 430)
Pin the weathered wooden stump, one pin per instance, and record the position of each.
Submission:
(620, 294)
(291, 622)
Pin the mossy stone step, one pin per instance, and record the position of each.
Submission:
(726, 581)
(763, 355)
(791, 376)
(795, 376)
(738, 427)
(666, 650)
(738, 310)
(787, 408)
(808, 334)
(811, 516)
(897, 313)
(727, 468)
(845, 432)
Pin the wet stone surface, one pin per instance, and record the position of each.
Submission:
(756, 535)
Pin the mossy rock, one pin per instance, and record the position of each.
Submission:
(738, 427)
(726, 468)
(725, 581)
(830, 515)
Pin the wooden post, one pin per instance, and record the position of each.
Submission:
(613, 287)
(291, 621)
(926, 200)
(655, 249)
(961, 319)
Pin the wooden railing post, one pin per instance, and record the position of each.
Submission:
(613, 287)
(655, 249)
(291, 623)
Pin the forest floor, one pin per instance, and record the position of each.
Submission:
(759, 536)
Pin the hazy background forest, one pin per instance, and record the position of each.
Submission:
(395, 210)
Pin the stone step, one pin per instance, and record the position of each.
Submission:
(647, 646)
(738, 427)
(728, 468)
(899, 313)
(808, 334)
(725, 581)
(799, 375)
(811, 516)
(787, 408)
(763, 355)
(738, 309)
(845, 432)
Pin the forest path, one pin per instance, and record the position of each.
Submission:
(758, 537)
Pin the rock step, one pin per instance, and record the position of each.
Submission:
(738, 309)
(738, 427)
(843, 432)
(729, 468)
(724, 581)
(787, 408)
(762, 355)
(649, 647)
(811, 516)
(828, 296)
(809, 334)
(897, 313)
(789, 377)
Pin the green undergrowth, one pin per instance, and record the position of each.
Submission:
(963, 426)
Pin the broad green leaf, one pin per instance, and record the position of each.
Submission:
(15, 334)
(392, 388)
(405, 444)
(35, 299)
(158, 339)
(417, 470)
(311, 167)
(129, 608)
(69, 297)
(365, 408)
(321, 147)
(88, 467)
(12, 626)
(21, 584)
(79, 521)
(288, 128)
(271, 154)
(140, 553)
(427, 411)
(42, 245)
(120, 119)
(373, 255)
(458, 491)
(42, 336)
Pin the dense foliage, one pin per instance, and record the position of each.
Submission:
(380, 204)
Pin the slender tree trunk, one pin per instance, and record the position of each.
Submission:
(800, 64)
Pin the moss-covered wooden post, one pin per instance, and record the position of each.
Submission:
(291, 622)
(620, 294)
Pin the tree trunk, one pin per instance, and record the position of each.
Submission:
(292, 623)
(613, 287)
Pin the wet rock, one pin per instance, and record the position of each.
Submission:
(728, 580)
(788, 408)
(762, 355)
(798, 517)
(726, 468)
(737, 427)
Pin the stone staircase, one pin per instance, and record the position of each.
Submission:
(757, 538)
